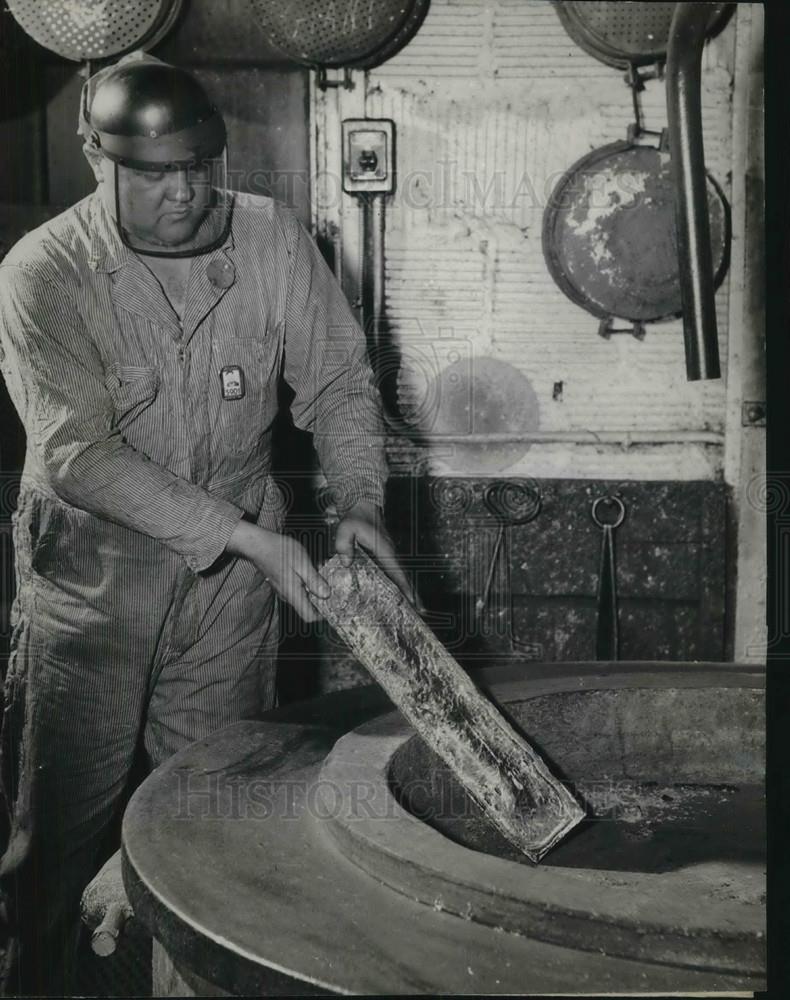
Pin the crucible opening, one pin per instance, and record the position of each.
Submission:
(670, 777)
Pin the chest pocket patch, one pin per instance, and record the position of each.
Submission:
(132, 389)
(243, 392)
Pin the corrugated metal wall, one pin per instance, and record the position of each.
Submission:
(492, 103)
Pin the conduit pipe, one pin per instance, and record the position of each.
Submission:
(373, 227)
(625, 438)
(684, 110)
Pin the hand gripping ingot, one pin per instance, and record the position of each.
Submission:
(504, 775)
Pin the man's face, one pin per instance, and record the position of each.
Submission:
(159, 209)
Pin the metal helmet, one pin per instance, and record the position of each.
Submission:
(149, 117)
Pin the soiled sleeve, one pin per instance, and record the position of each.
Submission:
(327, 367)
(56, 381)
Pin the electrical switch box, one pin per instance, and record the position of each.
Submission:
(368, 155)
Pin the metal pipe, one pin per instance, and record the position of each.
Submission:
(373, 306)
(625, 438)
(373, 274)
(684, 110)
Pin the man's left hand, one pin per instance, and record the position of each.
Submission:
(364, 525)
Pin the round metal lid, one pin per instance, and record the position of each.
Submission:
(620, 33)
(609, 233)
(94, 29)
(343, 33)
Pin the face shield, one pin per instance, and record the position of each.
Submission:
(175, 210)
(165, 156)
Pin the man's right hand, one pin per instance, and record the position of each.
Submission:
(284, 562)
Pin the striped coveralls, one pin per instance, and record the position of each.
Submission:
(130, 624)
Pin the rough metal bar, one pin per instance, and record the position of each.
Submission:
(504, 775)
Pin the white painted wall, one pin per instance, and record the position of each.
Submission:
(492, 103)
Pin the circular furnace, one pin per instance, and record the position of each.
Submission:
(325, 848)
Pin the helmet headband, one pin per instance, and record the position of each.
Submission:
(173, 151)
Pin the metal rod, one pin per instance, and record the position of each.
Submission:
(373, 273)
(579, 437)
(684, 111)
(635, 83)
(482, 601)
(606, 633)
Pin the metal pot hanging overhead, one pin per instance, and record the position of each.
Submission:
(344, 33)
(609, 236)
(630, 35)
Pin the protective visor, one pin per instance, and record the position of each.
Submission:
(175, 209)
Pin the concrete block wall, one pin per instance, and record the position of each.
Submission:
(542, 604)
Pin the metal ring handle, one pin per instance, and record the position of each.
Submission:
(608, 499)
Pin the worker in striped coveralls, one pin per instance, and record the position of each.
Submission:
(143, 333)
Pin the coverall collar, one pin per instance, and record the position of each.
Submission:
(136, 290)
(109, 252)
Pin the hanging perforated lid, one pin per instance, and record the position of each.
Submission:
(619, 32)
(341, 33)
(94, 29)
